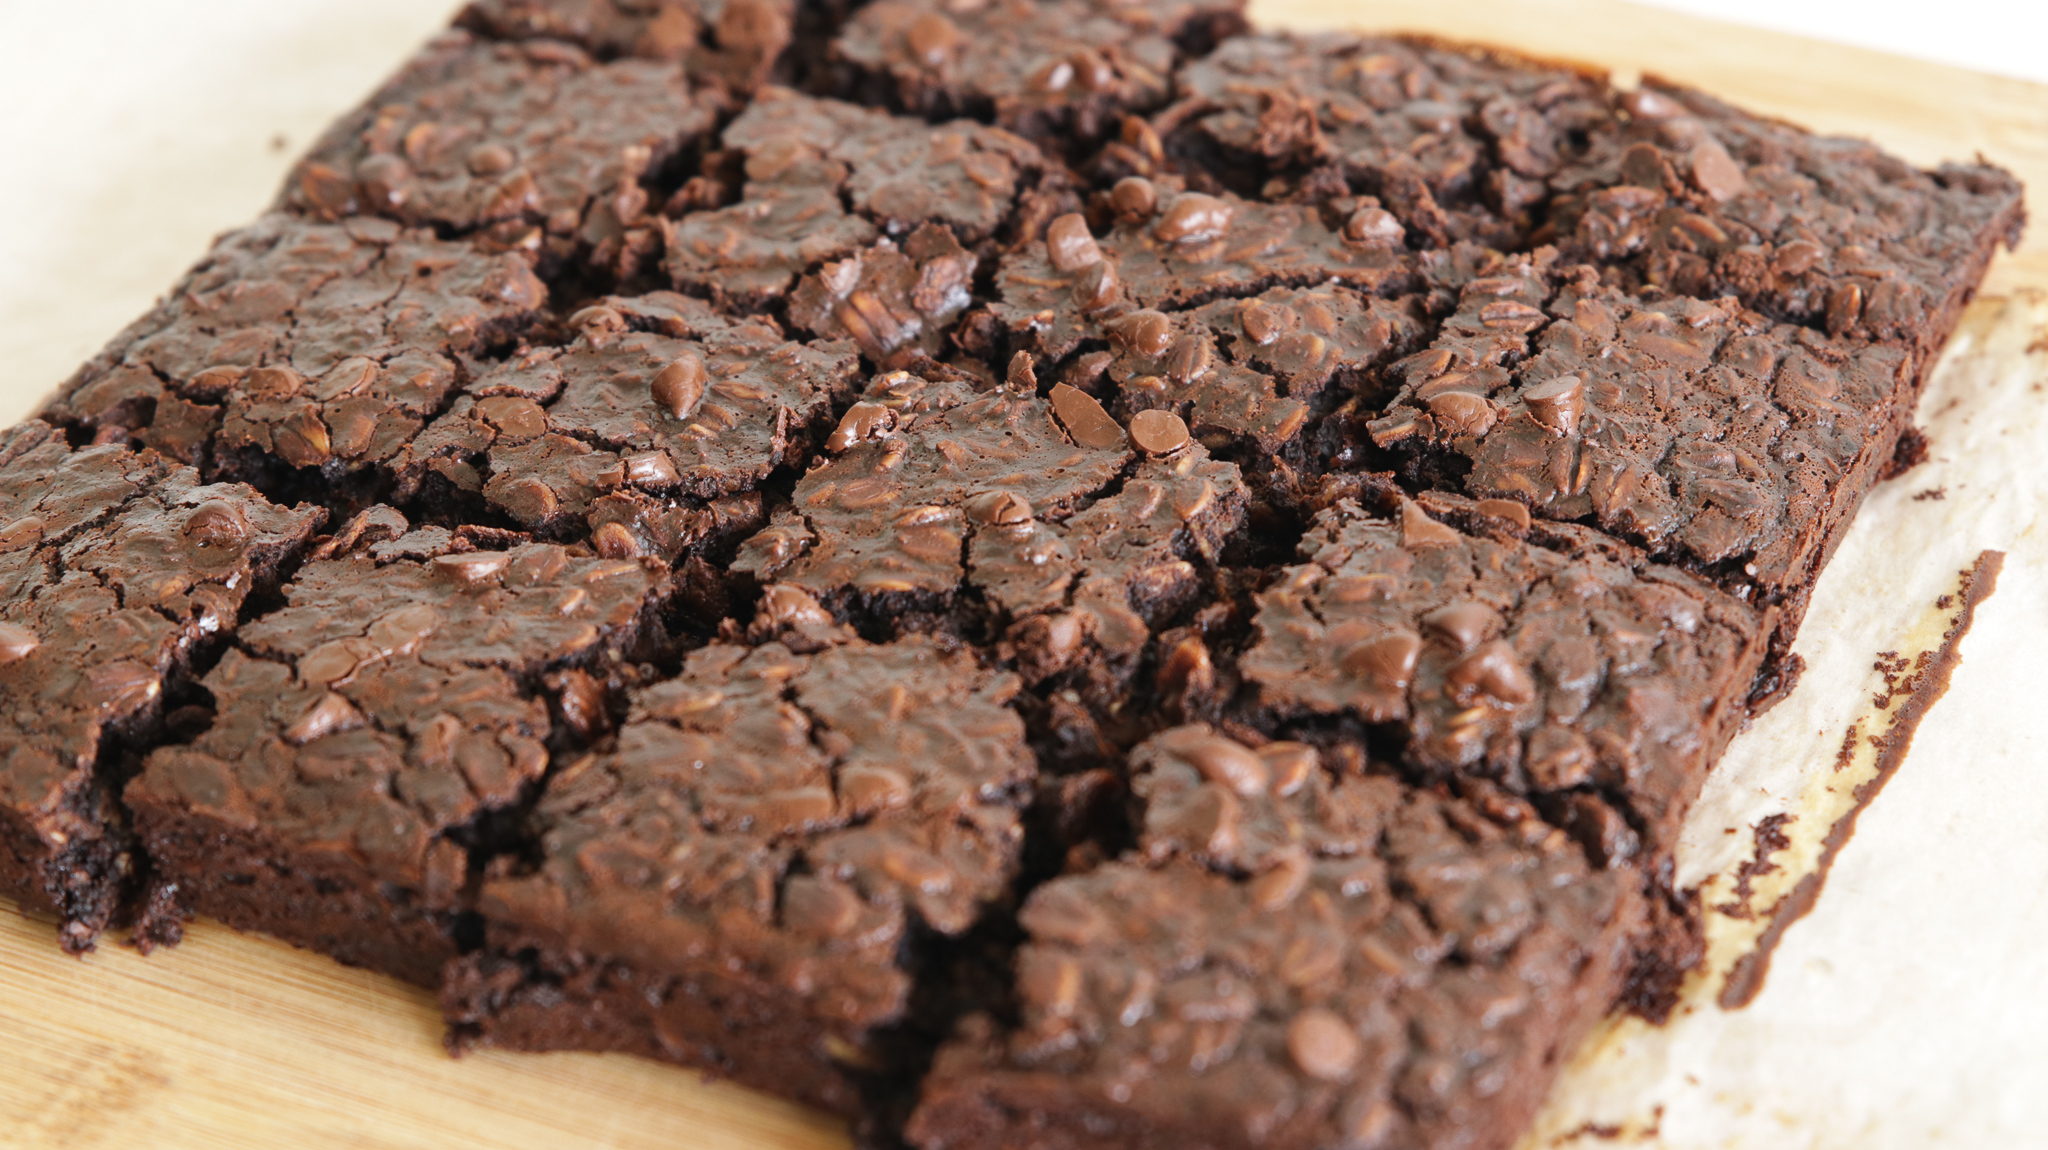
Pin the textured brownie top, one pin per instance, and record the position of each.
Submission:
(901, 171)
(1297, 955)
(1039, 68)
(478, 133)
(1687, 426)
(655, 394)
(784, 819)
(306, 343)
(391, 702)
(889, 515)
(113, 567)
(1180, 250)
(733, 41)
(1547, 666)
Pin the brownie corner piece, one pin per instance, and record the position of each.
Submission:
(749, 880)
(1297, 954)
(118, 571)
(365, 734)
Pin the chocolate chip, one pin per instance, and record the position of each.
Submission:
(751, 26)
(1134, 196)
(869, 790)
(615, 541)
(386, 181)
(679, 387)
(517, 419)
(862, 422)
(1262, 322)
(1419, 530)
(1374, 228)
(1146, 332)
(1797, 257)
(1323, 1045)
(1223, 761)
(1193, 218)
(1290, 764)
(1084, 418)
(1188, 360)
(1068, 244)
(121, 687)
(1092, 70)
(999, 508)
(16, 643)
(597, 321)
(1095, 289)
(818, 907)
(1186, 667)
(1494, 670)
(1644, 104)
(1158, 432)
(651, 469)
(1508, 509)
(301, 439)
(580, 699)
(1715, 172)
(931, 37)
(1557, 404)
(1274, 891)
(490, 160)
(1387, 662)
(1462, 413)
(325, 715)
(217, 523)
(1464, 622)
(472, 569)
(1051, 76)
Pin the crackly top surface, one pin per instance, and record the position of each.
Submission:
(1295, 955)
(883, 407)
(785, 818)
(385, 703)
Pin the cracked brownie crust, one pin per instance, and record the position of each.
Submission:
(1040, 573)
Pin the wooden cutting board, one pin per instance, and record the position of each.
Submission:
(231, 1041)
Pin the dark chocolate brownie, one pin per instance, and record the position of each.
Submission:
(1299, 953)
(748, 882)
(735, 42)
(1055, 70)
(365, 730)
(1552, 660)
(535, 140)
(658, 407)
(714, 673)
(297, 344)
(1699, 430)
(116, 571)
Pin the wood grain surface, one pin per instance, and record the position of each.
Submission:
(233, 1041)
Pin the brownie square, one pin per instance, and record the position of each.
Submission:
(366, 734)
(1298, 953)
(1551, 660)
(118, 571)
(752, 878)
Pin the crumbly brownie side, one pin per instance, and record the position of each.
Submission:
(298, 345)
(1062, 71)
(748, 880)
(118, 571)
(365, 733)
(1553, 661)
(1300, 952)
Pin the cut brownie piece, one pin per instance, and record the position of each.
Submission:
(1562, 666)
(902, 171)
(659, 407)
(1298, 955)
(736, 42)
(749, 881)
(1063, 70)
(362, 734)
(1455, 141)
(116, 570)
(1701, 431)
(1177, 250)
(298, 344)
(535, 138)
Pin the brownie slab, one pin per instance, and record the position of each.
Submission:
(747, 881)
(363, 731)
(117, 571)
(1297, 954)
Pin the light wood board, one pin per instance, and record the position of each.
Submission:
(232, 1041)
